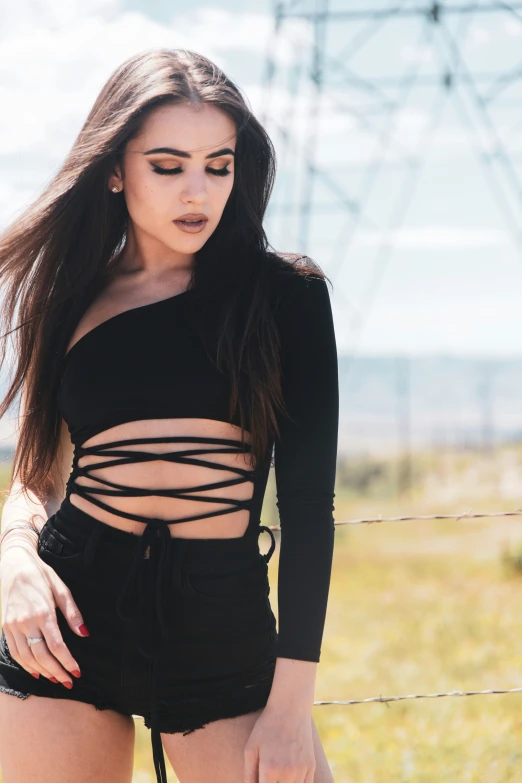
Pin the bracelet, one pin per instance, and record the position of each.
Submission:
(14, 527)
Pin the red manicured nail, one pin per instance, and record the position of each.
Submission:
(67, 684)
(76, 672)
(83, 630)
(35, 674)
(53, 679)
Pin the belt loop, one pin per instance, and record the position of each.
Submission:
(270, 552)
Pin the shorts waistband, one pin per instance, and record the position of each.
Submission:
(206, 555)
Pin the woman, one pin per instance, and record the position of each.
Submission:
(164, 353)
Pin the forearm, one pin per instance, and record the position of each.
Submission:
(293, 686)
(21, 509)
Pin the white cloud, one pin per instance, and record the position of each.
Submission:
(467, 326)
(50, 76)
(479, 36)
(513, 28)
(219, 30)
(52, 68)
(416, 54)
(435, 237)
(18, 17)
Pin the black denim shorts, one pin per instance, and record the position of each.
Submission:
(182, 632)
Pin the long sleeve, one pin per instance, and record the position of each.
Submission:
(305, 458)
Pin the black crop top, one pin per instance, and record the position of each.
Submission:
(148, 363)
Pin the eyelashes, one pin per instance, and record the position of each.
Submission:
(216, 172)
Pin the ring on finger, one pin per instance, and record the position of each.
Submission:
(34, 639)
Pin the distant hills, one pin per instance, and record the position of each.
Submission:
(391, 402)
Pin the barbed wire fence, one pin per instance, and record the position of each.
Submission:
(408, 518)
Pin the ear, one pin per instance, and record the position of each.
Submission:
(115, 179)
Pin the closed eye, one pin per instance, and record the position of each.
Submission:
(217, 172)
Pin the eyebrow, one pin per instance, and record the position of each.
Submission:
(181, 154)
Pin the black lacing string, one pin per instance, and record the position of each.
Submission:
(185, 456)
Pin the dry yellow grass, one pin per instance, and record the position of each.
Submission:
(424, 607)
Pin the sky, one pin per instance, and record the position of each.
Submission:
(383, 174)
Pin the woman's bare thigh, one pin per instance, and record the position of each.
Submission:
(59, 741)
(216, 752)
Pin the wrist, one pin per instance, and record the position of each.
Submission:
(18, 535)
(13, 558)
(293, 687)
(296, 710)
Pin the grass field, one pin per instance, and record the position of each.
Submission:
(423, 607)
(419, 607)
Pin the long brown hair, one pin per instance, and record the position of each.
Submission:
(57, 256)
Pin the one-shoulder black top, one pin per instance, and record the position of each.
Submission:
(148, 363)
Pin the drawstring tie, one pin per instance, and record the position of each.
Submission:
(149, 576)
(152, 574)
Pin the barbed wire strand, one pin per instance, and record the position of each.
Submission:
(463, 515)
(418, 696)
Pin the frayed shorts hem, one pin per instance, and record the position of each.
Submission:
(67, 695)
(189, 718)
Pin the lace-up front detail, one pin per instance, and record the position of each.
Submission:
(112, 454)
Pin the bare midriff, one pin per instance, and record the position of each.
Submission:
(161, 474)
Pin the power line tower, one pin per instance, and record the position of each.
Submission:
(360, 70)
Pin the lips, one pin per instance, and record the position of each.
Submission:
(191, 226)
(190, 217)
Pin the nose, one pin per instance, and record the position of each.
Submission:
(195, 188)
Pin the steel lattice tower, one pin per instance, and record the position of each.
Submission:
(321, 63)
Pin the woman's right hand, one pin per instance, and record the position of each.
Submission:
(31, 590)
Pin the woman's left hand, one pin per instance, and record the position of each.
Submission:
(280, 748)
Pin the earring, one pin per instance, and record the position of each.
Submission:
(115, 189)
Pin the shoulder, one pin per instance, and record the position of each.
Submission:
(304, 319)
(294, 265)
(293, 274)
(295, 279)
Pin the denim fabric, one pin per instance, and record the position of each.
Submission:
(181, 630)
